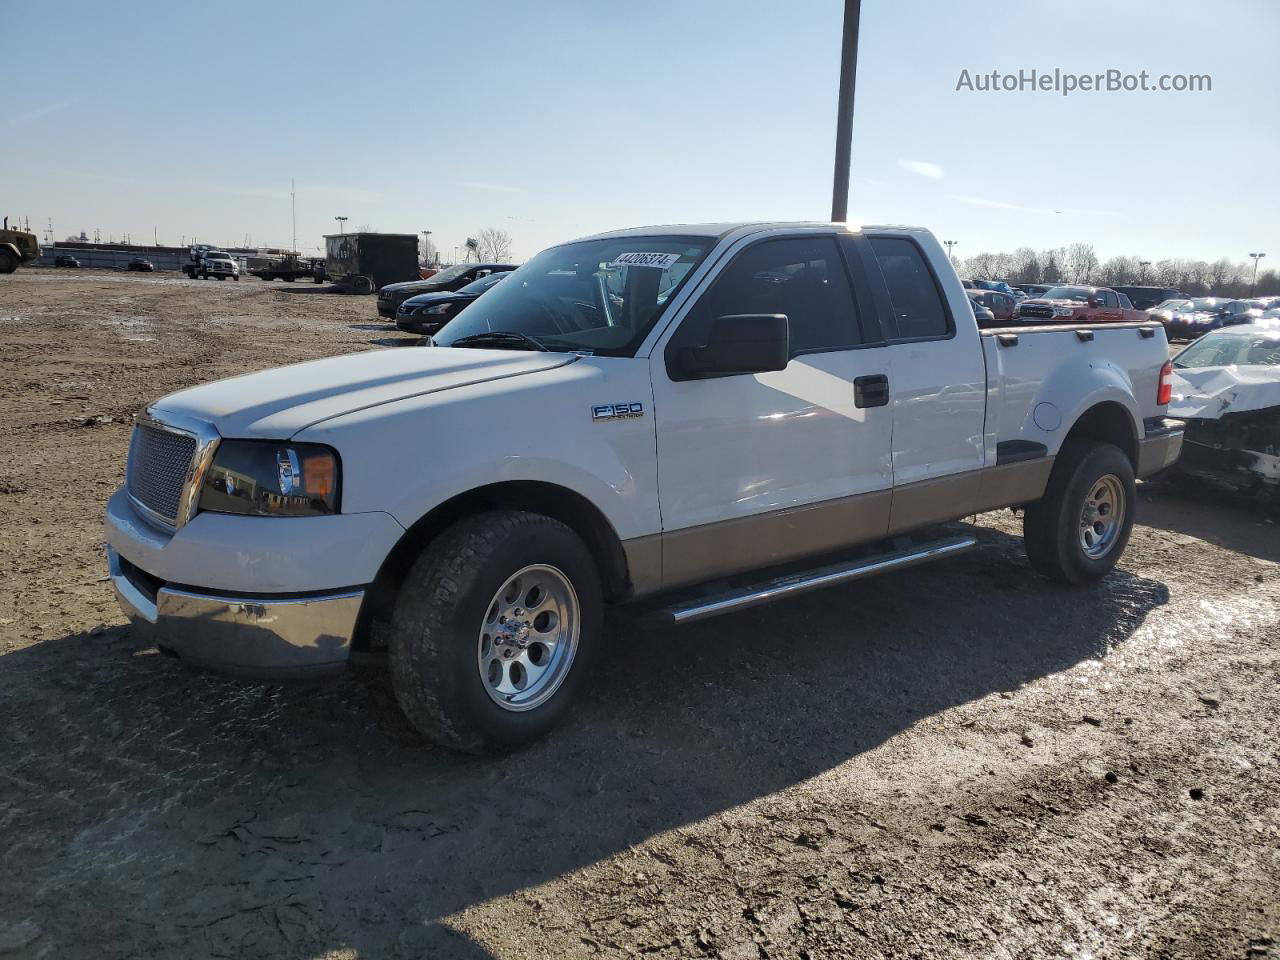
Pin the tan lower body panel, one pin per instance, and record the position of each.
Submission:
(747, 543)
(696, 554)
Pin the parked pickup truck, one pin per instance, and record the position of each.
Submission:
(1079, 305)
(702, 418)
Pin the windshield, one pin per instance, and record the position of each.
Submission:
(600, 296)
(1207, 304)
(1231, 349)
(1080, 294)
(449, 273)
(477, 287)
(1173, 305)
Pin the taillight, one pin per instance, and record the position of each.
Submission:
(1165, 391)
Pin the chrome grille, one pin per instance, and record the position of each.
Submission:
(159, 461)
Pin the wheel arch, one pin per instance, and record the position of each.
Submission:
(1108, 421)
(549, 499)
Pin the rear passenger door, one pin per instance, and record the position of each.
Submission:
(938, 387)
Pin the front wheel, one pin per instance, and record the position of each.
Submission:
(8, 262)
(1078, 530)
(494, 630)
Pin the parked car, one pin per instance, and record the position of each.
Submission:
(1001, 305)
(700, 416)
(1226, 386)
(1144, 298)
(1035, 289)
(447, 280)
(142, 265)
(1071, 304)
(981, 313)
(1189, 319)
(428, 312)
(65, 260)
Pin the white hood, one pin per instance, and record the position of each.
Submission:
(1208, 392)
(276, 404)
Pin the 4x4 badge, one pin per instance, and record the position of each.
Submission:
(617, 411)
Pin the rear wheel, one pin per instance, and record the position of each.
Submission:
(1078, 530)
(8, 262)
(494, 630)
(362, 284)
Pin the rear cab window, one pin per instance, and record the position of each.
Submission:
(907, 293)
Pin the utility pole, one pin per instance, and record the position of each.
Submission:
(949, 244)
(426, 247)
(844, 111)
(293, 203)
(1254, 283)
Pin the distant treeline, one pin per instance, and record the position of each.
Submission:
(1078, 263)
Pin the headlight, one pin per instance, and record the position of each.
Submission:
(437, 310)
(266, 478)
(1062, 311)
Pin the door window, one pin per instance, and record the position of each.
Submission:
(802, 277)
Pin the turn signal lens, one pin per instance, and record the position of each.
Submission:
(1165, 391)
(320, 475)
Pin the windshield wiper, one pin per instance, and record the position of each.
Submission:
(500, 338)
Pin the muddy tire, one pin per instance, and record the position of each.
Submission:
(8, 262)
(362, 285)
(1078, 530)
(494, 630)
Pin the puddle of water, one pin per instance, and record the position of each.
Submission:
(140, 339)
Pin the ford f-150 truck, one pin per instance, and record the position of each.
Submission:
(702, 418)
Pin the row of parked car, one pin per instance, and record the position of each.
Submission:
(998, 303)
(140, 264)
(424, 306)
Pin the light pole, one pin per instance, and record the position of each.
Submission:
(1143, 275)
(1254, 282)
(844, 111)
(949, 244)
(426, 247)
(341, 224)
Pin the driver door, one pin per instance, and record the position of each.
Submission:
(760, 469)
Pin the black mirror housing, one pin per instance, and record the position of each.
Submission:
(736, 344)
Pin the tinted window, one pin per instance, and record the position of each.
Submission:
(1107, 298)
(1125, 302)
(916, 303)
(802, 277)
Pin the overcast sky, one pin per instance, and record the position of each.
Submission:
(555, 119)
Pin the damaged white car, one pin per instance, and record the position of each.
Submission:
(1226, 386)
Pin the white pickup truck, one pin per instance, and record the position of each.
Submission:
(709, 417)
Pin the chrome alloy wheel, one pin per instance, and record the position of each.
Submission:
(529, 638)
(1102, 517)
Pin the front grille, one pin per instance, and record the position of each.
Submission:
(1040, 313)
(158, 464)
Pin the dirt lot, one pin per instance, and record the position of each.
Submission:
(956, 761)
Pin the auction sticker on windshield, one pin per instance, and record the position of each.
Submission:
(660, 261)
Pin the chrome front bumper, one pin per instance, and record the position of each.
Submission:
(271, 637)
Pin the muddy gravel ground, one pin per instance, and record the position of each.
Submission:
(956, 761)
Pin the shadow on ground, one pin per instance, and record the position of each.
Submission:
(1201, 510)
(156, 811)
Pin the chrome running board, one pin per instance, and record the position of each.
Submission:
(743, 598)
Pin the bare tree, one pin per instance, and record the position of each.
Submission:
(1079, 261)
(427, 251)
(1025, 266)
(494, 245)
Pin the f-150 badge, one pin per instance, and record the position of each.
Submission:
(617, 411)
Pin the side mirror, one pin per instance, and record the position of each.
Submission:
(1094, 302)
(736, 344)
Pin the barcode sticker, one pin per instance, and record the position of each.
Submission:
(659, 261)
